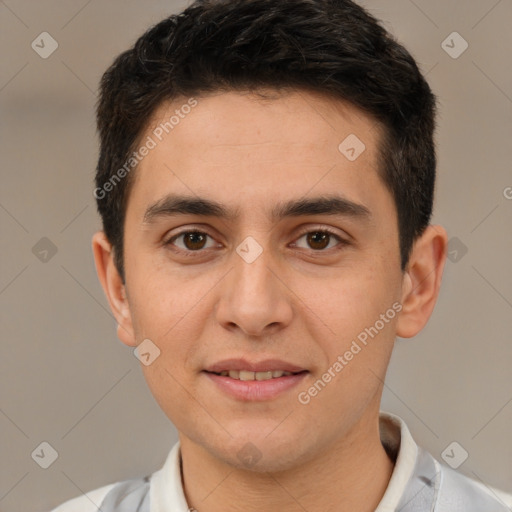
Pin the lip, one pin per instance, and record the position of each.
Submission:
(252, 366)
(256, 390)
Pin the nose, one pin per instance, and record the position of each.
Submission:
(254, 297)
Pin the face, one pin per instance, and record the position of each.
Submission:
(290, 263)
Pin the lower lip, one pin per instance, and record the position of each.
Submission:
(256, 390)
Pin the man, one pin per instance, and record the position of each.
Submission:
(265, 183)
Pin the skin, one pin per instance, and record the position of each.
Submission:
(298, 301)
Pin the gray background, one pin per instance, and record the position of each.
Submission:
(67, 380)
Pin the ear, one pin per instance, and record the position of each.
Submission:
(422, 281)
(113, 287)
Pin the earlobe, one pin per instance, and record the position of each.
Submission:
(422, 281)
(113, 287)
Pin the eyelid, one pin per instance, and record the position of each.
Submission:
(322, 229)
(168, 241)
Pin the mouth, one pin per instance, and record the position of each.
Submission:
(248, 381)
(247, 375)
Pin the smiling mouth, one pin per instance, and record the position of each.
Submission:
(246, 375)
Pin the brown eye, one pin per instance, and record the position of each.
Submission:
(321, 239)
(191, 240)
(194, 241)
(318, 239)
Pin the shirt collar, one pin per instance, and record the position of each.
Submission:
(166, 491)
(399, 444)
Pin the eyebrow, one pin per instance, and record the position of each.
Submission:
(173, 205)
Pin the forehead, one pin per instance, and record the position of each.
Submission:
(298, 118)
(238, 147)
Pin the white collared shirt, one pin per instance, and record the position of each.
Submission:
(418, 483)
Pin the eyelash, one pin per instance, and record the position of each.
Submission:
(190, 253)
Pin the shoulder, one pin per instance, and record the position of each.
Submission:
(460, 492)
(424, 483)
(128, 495)
(121, 496)
(88, 502)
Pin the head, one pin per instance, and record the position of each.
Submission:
(262, 118)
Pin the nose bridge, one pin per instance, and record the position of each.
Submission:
(253, 297)
(254, 283)
(252, 273)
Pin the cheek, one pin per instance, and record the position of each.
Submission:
(174, 394)
(347, 301)
(162, 313)
(354, 319)
(161, 301)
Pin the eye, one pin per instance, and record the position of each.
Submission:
(320, 239)
(193, 241)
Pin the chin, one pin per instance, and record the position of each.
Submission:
(261, 454)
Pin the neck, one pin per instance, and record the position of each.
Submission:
(352, 474)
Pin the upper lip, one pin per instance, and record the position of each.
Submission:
(253, 366)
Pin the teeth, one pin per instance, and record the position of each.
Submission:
(247, 375)
(263, 375)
